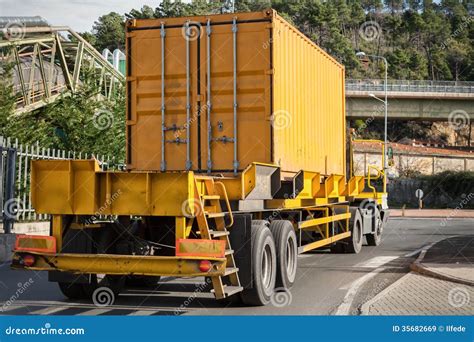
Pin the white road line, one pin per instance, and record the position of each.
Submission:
(346, 304)
(418, 251)
(376, 261)
(49, 311)
(94, 312)
(142, 313)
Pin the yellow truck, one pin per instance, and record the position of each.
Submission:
(238, 160)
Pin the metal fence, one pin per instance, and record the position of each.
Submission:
(411, 86)
(24, 154)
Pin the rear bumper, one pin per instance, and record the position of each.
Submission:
(119, 264)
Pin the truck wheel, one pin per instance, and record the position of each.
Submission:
(354, 242)
(286, 252)
(113, 283)
(142, 281)
(72, 290)
(375, 238)
(263, 265)
(338, 248)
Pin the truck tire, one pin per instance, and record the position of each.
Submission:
(72, 290)
(142, 281)
(354, 242)
(286, 252)
(113, 282)
(375, 238)
(263, 265)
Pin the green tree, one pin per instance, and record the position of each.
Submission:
(109, 31)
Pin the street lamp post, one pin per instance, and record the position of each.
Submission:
(361, 54)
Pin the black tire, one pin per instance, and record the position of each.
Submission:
(375, 238)
(354, 242)
(73, 290)
(338, 248)
(263, 276)
(142, 281)
(114, 283)
(286, 252)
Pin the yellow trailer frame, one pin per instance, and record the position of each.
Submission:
(79, 188)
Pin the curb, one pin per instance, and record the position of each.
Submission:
(365, 308)
(418, 267)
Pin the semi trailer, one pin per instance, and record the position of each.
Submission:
(238, 160)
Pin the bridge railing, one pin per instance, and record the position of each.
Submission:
(377, 85)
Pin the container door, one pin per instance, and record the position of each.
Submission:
(235, 127)
(163, 98)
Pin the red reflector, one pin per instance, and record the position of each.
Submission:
(205, 266)
(35, 243)
(28, 260)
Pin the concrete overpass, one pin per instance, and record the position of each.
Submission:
(410, 100)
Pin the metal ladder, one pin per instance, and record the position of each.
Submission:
(209, 198)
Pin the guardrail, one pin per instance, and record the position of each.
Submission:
(377, 85)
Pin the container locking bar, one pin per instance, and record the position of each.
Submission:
(188, 97)
(163, 127)
(209, 103)
(234, 35)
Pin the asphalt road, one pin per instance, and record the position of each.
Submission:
(327, 284)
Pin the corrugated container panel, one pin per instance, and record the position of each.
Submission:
(290, 96)
(309, 98)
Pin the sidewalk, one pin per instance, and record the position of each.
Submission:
(441, 283)
(432, 213)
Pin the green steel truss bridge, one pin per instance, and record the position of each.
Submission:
(48, 62)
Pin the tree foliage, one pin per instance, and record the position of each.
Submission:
(421, 39)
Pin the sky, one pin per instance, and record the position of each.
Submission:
(77, 14)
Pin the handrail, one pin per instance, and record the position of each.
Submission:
(465, 87)
(379, 174)
(226, 198)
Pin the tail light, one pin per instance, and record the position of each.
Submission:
(205, 266)
(28, 260)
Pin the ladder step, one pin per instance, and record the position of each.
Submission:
(210, 197)
(217, 233)
(231, 290)
(230, 270)
(214, 215)
(229, 251)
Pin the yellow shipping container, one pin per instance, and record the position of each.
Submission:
(219, 92)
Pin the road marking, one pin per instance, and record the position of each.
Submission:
(94, 312)
(418, 251)
(345, 307)
(49, 311)
(143, 313)
(376, 261)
